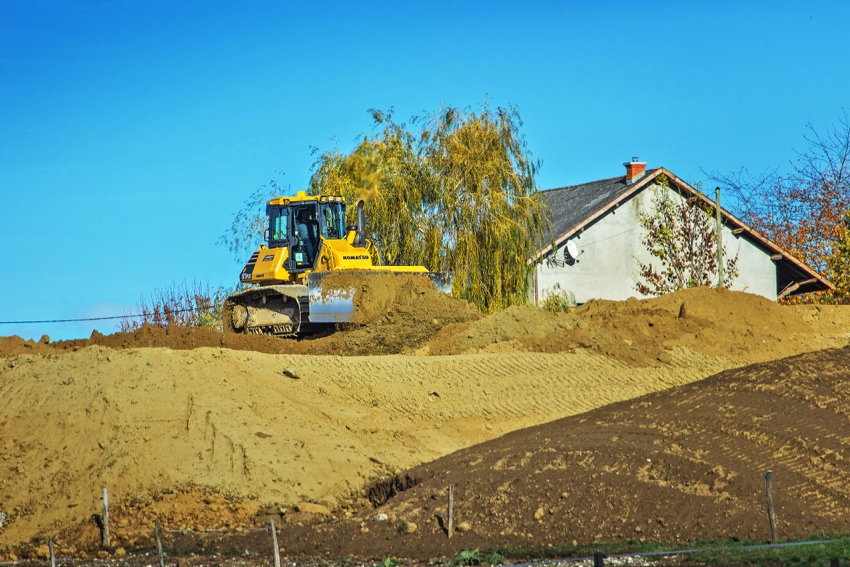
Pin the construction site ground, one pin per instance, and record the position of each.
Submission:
(652, 419)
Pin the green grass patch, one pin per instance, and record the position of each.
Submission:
(720, 552)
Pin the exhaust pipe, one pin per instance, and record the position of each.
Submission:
(361, 225)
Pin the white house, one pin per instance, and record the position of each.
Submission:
(599, 241)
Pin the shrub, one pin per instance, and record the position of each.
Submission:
(181, 305)
(557, 300)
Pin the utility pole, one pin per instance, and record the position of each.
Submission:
(720, 280)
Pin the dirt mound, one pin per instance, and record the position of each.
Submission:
(264, 422)
(393, 312)
(262, 429)
(637, 469)
(404, 314)
(738, 327)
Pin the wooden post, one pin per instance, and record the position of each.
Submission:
(52, 553)
(450, 524)
(771, 514)
(274, 542)
(835, 562)
(105, 518)
(720, 278)
(159, 544)
(598, 559)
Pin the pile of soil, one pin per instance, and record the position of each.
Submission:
(682, 465)
(208, 430)
(263, 430)
(393, 312)
(738, 327)
(405, 314)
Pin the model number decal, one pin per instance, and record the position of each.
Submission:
(361, 257)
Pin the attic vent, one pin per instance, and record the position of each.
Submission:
(634, 170)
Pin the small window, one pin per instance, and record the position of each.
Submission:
(278, 227)
(332, 219)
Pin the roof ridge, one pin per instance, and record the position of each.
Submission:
(608, 179)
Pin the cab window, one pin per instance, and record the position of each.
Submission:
(278, 227)
(332, 219)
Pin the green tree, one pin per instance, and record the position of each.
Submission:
(839, 266)
(454, 191)
(682, 236)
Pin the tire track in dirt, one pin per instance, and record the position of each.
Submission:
(148, 420)
(681, 465)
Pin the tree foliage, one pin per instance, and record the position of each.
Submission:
(250, 222)
(839, 265)
(683, 237)
(802, 211)
(454, 191)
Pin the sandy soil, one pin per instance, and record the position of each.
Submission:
(204, 430)
(680, 465)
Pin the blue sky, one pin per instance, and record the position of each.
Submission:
(131, 132)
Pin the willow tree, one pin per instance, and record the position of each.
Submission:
(454, 191)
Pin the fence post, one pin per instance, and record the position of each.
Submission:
(274, 542)
(105, 519)
(835, 562)
(52, 553)
(159, 544)
(598, 559)
(450, 524)
(771, 514)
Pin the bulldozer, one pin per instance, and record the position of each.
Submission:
(307, 240)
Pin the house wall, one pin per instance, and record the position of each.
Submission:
(611, 250)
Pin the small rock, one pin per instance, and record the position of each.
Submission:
(464, 527)
(45, 339)
(638, 530)
(539, 513)
(13, 557)
(665, 358)
(43, 552)
(183, 562)
(103, 554)
(311, 508)
(381, 518)
(565, 495)
(291, 373)
(575, 543)
(409, 527)
(364, 530)
(121, 553)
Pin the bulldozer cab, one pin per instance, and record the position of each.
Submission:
(301, 227)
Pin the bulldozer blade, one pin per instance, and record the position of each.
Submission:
(328, 305)
(337, 305)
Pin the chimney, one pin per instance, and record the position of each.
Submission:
(634, 170)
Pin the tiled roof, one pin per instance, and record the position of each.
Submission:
(573, 204)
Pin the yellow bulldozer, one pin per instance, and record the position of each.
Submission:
(306, 240)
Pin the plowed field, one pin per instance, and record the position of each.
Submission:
(204, 430)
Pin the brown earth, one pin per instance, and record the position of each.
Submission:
(206, 430)
(681, 465)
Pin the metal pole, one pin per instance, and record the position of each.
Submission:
(451, 511)
(720, 279)
(274, 543)
(105, 518)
